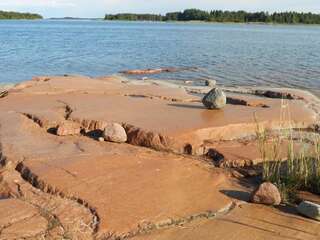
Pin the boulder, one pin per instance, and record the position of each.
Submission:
(68, 129)
(210, 83)
(309, 209)
(267, 193)
(114, 132)
(215, 99)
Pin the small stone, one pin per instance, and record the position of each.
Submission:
(68, 129)
(267, 193)
(309, 209)
(215, 99)
(210, 83)
(101, 139)
(114, 132)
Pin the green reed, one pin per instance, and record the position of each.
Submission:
(289, 162)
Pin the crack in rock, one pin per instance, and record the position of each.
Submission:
(147, 227)
(161, 98)
(37, 120)
(36, 182)
(68, 110)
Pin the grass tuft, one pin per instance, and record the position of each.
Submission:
(289, 162)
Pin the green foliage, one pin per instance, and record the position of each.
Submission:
(173, 16)
(16, 15)
(223, 16)
(134, 17)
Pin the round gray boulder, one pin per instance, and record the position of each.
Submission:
(215, 99)
(114, 132)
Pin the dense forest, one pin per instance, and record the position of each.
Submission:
(16, 15)
(222, 16)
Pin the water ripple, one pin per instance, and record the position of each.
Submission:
(287, 56)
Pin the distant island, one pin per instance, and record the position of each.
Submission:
(222, 16)
(17, 15)
(73, 18)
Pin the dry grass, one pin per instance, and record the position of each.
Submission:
(300, 169)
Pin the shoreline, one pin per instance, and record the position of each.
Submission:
(165, 22)
(181, 83)
(52, 155)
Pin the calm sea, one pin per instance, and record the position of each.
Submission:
(233, 54)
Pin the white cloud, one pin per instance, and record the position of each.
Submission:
(37, 3)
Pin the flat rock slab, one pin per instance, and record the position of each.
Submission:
(167, 110)
(250, 222)
(126, 186)
(128, 189)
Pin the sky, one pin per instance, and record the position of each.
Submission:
(98, 8)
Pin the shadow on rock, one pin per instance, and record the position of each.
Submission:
(187, 106)
(239, 195)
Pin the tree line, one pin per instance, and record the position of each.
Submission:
(17, 15)
(222, 16)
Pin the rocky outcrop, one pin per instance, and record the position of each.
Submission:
(155, 71)
(68, 128)
(310, 210)
(267, 194)
(149, 71)
(140, 137)
(242, 102)
(114, 132)
(91, 125)
(275, 94)
(215, 99)
(40, 121)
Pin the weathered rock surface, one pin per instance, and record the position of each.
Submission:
(114, 132)
(309, 209)
(20, 220)
(68, 128)
(267, 193)
(215, 99)
(140, 137)
(94, 188)
(5, 191)
(34, 214)
(248, 222)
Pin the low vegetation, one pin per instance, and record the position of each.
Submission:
(290, 162)
(222, 16)
(17, 15)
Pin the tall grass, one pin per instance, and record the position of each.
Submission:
(289, 162)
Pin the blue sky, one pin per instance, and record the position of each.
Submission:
(97, 8)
